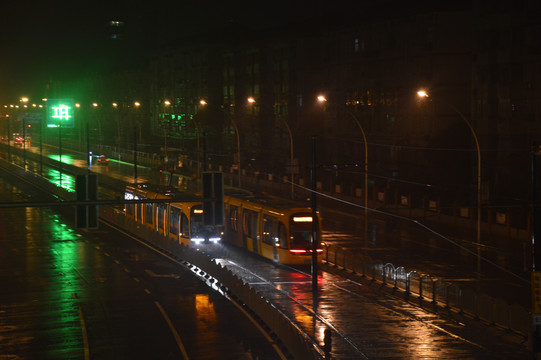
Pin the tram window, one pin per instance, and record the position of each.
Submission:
(161, 216)
(300, 233)
(184, 226)
(270, 229)
(233, 218)
(196, 221)
(174, 221)
(139, 210)
(148, 213)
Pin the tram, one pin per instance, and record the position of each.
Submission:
(178, 220)
(271, 227)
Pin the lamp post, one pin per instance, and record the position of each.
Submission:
(24, 100)
(365, 175)
(166, 104)
(290, 158)
(137, 104)
(424, 94)
(322, 99)
(238, 145)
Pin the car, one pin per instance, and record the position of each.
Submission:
(103, 160)
(18, 141)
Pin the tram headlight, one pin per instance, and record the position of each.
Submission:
(198, 240)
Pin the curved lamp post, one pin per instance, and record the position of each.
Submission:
(365, 175)
(424, 94)
(321, 99)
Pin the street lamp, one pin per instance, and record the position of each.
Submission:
(238, 145)
(290, 158)
(424, 94)
(166, 104)
(137, 105)
(322, 99)
(365, 174)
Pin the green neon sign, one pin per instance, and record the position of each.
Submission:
(60, 113)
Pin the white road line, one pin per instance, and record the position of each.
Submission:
(85, 335)
(173, 330)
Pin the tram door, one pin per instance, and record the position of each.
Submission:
(249, 231)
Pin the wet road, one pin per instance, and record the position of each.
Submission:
(367, 323)
(68, 294)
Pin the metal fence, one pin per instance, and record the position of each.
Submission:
(492, 310)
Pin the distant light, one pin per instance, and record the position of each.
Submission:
(202, 102)
(422, 93)
(115, 104)
(77, 105)
(24, 99)
(321, 98)
(167, 102)
(137, 103)
(251, 100)
(95, 104)
(197, 211)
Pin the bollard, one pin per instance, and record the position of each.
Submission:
(327, 342)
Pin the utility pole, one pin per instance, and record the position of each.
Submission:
(535, 339)
(314, 217)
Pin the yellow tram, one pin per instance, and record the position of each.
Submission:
(274, 228)
(178, 220)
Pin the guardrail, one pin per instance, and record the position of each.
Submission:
(297, 343)
(495, 311)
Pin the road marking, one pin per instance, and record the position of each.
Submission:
(147, 291)
(153, 274)
(173, 330)
(85, 335)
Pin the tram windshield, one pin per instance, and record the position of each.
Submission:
(196, 223)
(300, 232)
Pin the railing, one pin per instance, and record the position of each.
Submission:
(492, 310)
(296, 341)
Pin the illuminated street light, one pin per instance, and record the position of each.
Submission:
(115, 105)
(321, 98)
(166, 103)
(24, 99)
(424, 94)
(202, 102)
(95, 104)
(137, 104)
(251, 100)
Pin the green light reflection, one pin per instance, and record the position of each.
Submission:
(66, 159)
(68, 181)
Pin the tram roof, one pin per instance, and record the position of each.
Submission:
(165, 190)
(263, 199)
